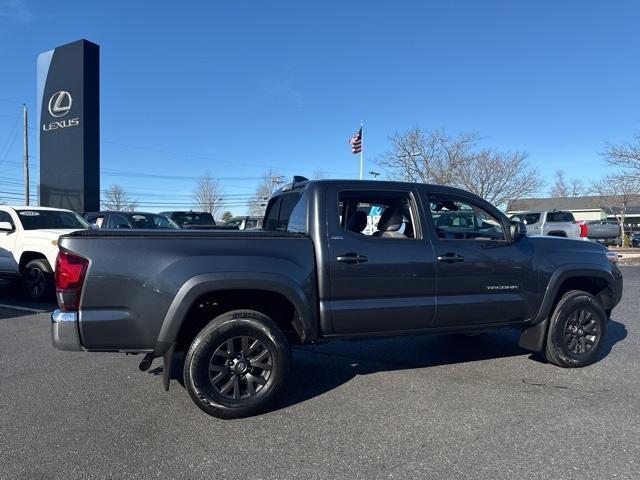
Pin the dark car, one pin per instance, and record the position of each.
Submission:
(191, 219)
(635, 239)
(130, 220)
(245, 223)
(335, 259)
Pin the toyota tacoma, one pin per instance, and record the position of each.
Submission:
(336, 259)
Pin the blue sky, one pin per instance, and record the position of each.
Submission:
(236, 87)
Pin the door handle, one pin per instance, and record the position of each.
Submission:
(450, 258)
(352, 257)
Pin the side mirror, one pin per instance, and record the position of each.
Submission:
(517, 230)
(6, 227)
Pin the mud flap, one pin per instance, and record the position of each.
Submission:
(167, 367)
(533, 337)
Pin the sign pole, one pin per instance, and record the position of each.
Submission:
(26, 155)
(361, 148)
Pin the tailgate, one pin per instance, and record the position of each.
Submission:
(602, 230)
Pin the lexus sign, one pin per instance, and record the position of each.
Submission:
(69, 126)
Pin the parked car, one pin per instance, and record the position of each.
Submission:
(554, 223)
(191, 219)
(635, 239)
(196, 220)
(132, 220)
(29, 245)
(235, 302)
(245, 223)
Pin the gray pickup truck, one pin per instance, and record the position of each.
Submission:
(335, 260)
(555, 223)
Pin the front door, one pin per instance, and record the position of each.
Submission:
(483, 277)
(7, 245)
(381, 263)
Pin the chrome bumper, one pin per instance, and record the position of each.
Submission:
(64, 331)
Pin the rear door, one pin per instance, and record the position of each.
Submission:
(483, 278)
(380, 278)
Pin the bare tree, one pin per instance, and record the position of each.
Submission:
(434, 157)
(269, 183)
(564, 188)
(560, 187)
(226, 216)
(498, 177)
(616, 193)
(626, 155)
(207, 195)
(116, 198)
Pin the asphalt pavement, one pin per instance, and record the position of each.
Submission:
(421, 407)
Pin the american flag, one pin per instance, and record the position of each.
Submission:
(356, 142)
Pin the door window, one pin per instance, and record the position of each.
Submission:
(377, 214)
(560, 217)
(526, 218)
(5, 217)
(461, 220)
(118, 221)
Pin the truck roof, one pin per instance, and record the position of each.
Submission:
(32, 207)
(374, 184)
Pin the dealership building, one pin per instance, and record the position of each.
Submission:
(583, 208)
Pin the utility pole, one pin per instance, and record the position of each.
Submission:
(374, 174)
(26, 154)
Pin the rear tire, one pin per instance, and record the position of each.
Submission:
(577, 330)
(237, 364)
(37, 280)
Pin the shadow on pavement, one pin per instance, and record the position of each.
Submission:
(11, 293)
(322, 368)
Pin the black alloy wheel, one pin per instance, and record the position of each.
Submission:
(581, 332)
(37, 279)
(577, 330)
(236, 364)
(240, 367)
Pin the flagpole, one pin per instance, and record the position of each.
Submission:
(362, 148)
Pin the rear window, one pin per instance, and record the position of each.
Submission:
(526, 218)
(560, 217)
(193, 218)
(146, 221)
(40, 219)
(287, 213)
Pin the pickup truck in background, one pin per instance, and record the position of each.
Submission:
(29, 245)
(554, 223)
(439, 260)
(606, 232)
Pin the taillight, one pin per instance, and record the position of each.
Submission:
(70, 272)
(584, 230)
(612, 257)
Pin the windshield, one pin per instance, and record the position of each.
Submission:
(194, 218)
(235, 222)
(526, 218)
(58, 219)
(151, 220)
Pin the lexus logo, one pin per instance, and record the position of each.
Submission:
(60, 104)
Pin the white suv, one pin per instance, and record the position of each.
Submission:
(29, 244)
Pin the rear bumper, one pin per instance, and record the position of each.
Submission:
(64, 331)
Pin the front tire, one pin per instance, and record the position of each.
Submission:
(237, 364)
(577, 330)
(37, 279)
